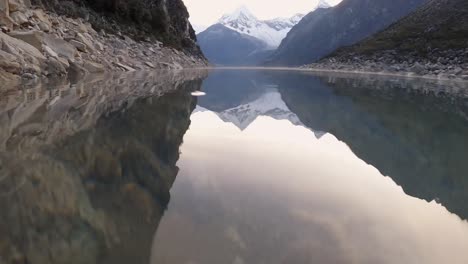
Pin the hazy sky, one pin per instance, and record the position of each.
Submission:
(207, 12)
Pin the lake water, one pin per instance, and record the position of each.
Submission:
(259, 167)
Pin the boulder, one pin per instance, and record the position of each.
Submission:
(61, 47)
(32, 37)
(4, 7)
(6, 21)
(93, 67)
(8, 80)
(15, 47)
(16, 5)
(76, 69)
(30, 58)
(78, 45)
(85, 38)
(55, 68)
(50, 52)
(44, 26)
(9, 63)
(41, 16)
(19, 17)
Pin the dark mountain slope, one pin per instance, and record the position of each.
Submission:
(224, 46)
(324, 30)
(437, 32)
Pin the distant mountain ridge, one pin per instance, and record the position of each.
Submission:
(225, 47)
(241, 39)
(324, 30)
(272, 32)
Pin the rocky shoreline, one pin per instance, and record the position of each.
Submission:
(446, 64)
(35, 43)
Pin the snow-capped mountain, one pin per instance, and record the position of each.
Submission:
(272, 32)
(199, 28)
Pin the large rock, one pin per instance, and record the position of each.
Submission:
(40, 15)
(4, 7)
(16, 5)
(78, 45)
(55, 68)
(93, 67)
(5, 19)
(8, 81)
(9, 63)
(17, 47)
(61, 47)
(32, 37)
(19, 17)
(85, 38)
(29, 58)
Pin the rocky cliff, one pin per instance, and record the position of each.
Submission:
(324, 30)
(56, 38)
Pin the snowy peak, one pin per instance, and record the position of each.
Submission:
(241, 14)
(323, 4)
(272, 32)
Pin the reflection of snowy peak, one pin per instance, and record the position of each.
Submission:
(269, 104)
(272, 32)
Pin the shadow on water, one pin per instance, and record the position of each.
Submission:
(85, 169)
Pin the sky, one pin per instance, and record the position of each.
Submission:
(207, 12)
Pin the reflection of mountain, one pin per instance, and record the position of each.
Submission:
(86, 169)
(269, 104)
(228, 89)
(243, 98)
(418, 140)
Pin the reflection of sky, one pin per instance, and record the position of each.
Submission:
(274, 193)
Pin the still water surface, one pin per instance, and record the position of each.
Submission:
(266, 167)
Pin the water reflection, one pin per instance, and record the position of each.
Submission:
(409, 130)
(415, 131)
(275, 193)
(86, 168)
(274, 169)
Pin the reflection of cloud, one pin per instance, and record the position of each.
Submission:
(234, 236)
(300, 199)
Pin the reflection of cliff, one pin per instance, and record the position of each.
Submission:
(85, 177)
(418, 140)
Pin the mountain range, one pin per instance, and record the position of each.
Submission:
(240, 38)
(324, 30)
